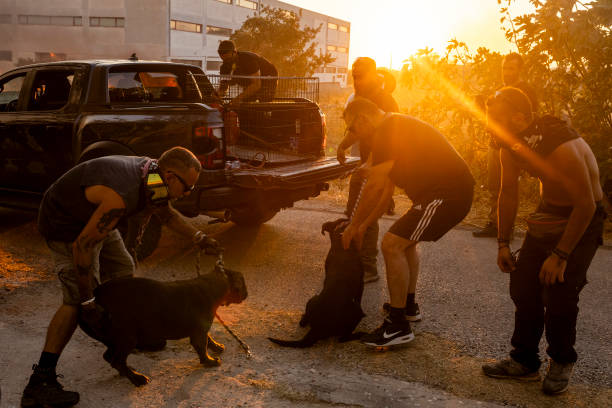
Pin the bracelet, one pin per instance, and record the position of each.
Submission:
(85, 303)
(503, 245)
(198, 236)
(503, 241)
(561, 254)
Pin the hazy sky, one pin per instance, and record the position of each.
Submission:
(394, 29)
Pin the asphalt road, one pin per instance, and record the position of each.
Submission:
(467, 318)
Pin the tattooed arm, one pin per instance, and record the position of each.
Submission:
(110, 209)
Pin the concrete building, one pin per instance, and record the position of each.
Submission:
(169, 30)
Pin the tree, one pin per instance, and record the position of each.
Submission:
(567, 45)
(276, 34)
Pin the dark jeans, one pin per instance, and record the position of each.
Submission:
(555, 307)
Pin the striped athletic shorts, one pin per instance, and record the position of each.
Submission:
(429, 219)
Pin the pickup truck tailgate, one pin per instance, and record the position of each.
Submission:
(292, 176)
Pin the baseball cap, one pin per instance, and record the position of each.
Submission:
(364, 65)
(226, 46)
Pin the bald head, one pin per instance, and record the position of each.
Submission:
(359, 106)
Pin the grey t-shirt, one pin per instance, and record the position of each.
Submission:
(65, 211)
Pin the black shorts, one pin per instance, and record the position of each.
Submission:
(430, 218)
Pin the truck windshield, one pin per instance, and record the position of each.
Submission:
(151, 86)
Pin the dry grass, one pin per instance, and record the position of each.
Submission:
(332, 103)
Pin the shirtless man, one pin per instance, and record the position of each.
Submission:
(547, 277)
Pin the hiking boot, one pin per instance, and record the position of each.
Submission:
(389, 334)
(510, 368)
(413, 314)
(557, 378)
(488, 231)
(43, 390)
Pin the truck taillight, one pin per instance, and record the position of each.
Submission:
(324, 129)
(208, 146)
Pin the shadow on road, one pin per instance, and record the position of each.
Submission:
(10, 218)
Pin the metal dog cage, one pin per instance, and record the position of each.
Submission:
(281, 123)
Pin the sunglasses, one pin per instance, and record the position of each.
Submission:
(186, 187)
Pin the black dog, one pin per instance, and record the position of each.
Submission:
(144, 313)
(336, 311)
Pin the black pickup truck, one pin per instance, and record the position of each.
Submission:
(257, 159)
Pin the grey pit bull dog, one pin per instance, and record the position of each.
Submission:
(144, 313)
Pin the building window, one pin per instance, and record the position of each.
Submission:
(332, 26)
(185, 26)
(342, 49)
(331, 48)
(50, 20)
(107, 21)
(212, 30)
(330, 70)
(6, 55)
(190, 62)
(341, 70)
(247, 4)
(212, 65)
(5, 19)
(225, 1)
(344, 29)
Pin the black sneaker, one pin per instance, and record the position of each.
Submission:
(510, 368)
(412, 311)
(389, 334)
(489, 231)
(43, 390)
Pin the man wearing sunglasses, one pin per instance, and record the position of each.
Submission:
(562, 238)
(368, 84)
(78, 218)
(246, 69)
(415, 157)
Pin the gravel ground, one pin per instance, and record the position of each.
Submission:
(467, 320)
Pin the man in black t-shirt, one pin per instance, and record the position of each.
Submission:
(512, 66)
(414, 156)
(562, 236)
(78, 217)
(368, 84)
(250, 67)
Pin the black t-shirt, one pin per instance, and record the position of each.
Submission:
(543, 136)
(248, 63)
(65, 211)
(426, 165)
(385, 101)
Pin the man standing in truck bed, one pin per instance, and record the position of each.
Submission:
(247, 64)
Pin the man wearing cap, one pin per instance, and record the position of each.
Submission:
(562, 238)
(512, 67)
(249, 67)
(368, 84)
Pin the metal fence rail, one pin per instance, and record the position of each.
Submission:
(273, 89)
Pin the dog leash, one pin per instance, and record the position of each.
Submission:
(220, 264)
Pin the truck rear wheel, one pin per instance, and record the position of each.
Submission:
(253, 216)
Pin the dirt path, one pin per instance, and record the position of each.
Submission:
(282, 264)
